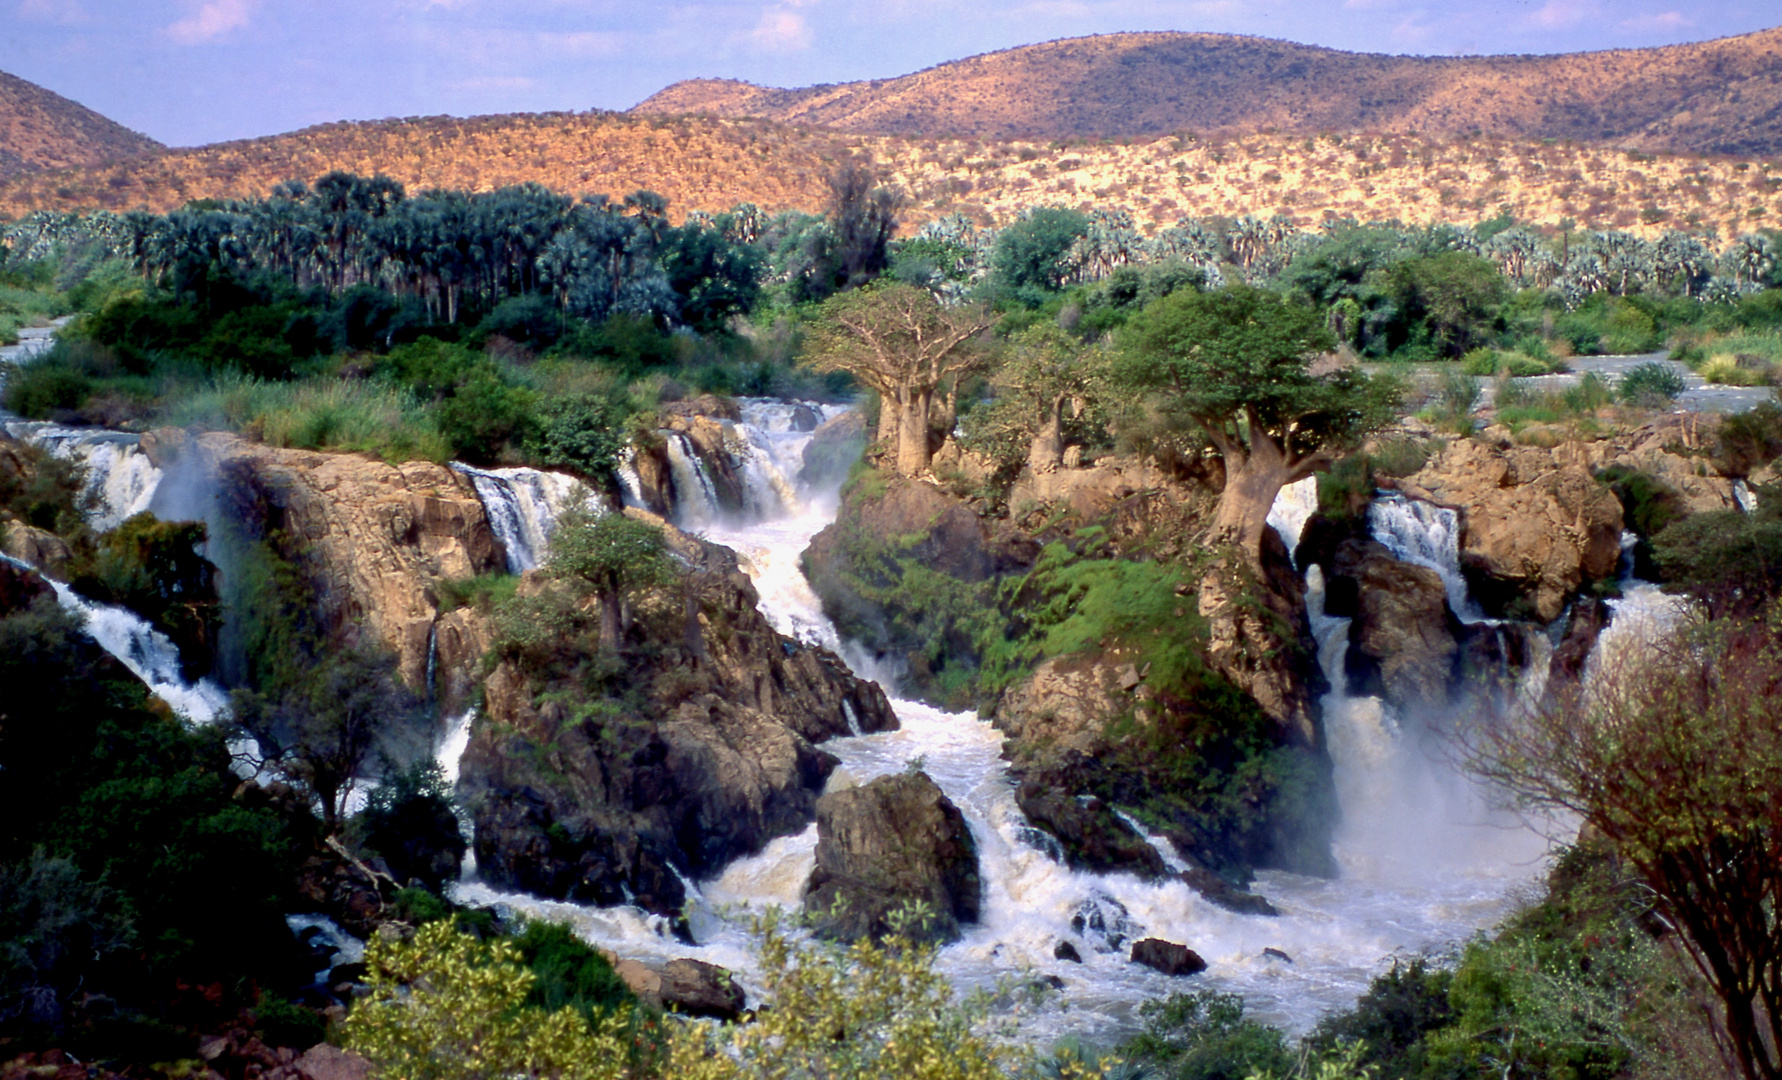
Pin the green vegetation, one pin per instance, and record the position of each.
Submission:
(125, 864)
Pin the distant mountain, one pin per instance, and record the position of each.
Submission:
(40, 129)
(1722, 97)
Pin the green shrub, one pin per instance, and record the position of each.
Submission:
(1591, 393)
(343, 415)
(1651, 385)
(568, 972)
(1400, 1009)
(1205, 1036)
(482, 592)
(1747, 441)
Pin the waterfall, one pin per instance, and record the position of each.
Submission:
(121, 480)
(523, 506)
(1426, 535)
(1292, 508)
(1400, 892)
(696, 501)
(629, 482)
(1743, 497)
(149, 654)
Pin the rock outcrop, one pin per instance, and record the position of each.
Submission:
(697, 988)
(373, 539)
(1402, 642)
(834, 448)
(708, 756)
(1535, 523)
(1167, 957)
(886, 844)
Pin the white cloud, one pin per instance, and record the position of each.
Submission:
(1561, 14)
(211, 21)
(1663, 20)
(780, 30)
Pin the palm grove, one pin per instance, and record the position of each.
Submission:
(526, 326)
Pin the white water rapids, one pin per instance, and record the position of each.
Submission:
(1424, 863)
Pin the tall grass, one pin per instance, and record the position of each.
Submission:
(356, 416)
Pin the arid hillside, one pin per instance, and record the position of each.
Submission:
(44, 130)
(712, 164)
(1720, 96)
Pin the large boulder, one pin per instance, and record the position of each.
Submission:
(832, 451)
(1402, 640)
(38, 547)
(697, 988)
(1535, 523)
(1167, 957)
(886, 844)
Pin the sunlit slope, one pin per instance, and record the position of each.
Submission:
(1721, 96)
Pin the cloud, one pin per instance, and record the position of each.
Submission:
(62, 12)
(780, 30)
(1661, 21)
(211, 21)
(1561, 14)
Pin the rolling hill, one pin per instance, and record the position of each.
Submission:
(712, 164)
(1722, 97)
(40, 129)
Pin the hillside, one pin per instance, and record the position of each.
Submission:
(1721, 96)
(709, 164)
(44, 130)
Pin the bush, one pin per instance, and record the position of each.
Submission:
(568, 973)
(344, 415)
(1205, 1036)
(447, 1007)
(1653, 384)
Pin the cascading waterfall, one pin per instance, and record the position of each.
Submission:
(1425, 863)
(149, 654)
(523, 506)
(121, 480)
(1426, 535)
(1292, 508)
(1743, 497)
(696, 499)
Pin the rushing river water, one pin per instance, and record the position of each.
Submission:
(1425, 863)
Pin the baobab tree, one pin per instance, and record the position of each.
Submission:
(900, 341)
(1237, 364)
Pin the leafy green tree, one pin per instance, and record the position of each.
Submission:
(900, 341)
(445, 1006)
(611, 557)
(862, 217)
(336, 724)
(1449, 303)
(1236, 363)
(859, 1012)
(1032, 256)
(1205, 1036)
(1043, 374)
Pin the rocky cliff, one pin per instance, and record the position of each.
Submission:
(373, 540)
(615, 778)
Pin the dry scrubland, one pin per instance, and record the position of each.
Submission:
(712, 164)
(1723, 96)
(40, 129)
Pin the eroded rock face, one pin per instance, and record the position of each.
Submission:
(39, 547)
(832, 451)
(373, 538)
(713, 758)
(1402, 641)
(697, 988)
(888, 843)
(1535, 523)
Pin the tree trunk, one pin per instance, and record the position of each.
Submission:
(1047, 451)
(912, 430)
(611, 622)
(1252, 480)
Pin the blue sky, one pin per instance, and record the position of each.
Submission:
(196, 71)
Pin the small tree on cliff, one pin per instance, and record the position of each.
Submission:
(899, 340)
(1236, 363)
(612, 557)
(1044, 378)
